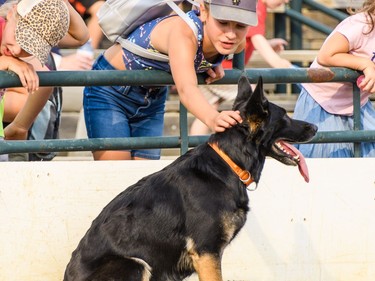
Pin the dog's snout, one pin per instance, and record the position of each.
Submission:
(312, 128)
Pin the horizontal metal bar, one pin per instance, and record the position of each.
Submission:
(294, 15)
(153, 142)
(88, 144)
(344, 136)
(326, 10)
(156, 77)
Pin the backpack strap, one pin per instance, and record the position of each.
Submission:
(184, 16)
(140, 51)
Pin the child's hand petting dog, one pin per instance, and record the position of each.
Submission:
(225, 120)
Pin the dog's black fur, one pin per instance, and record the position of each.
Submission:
(179, 220)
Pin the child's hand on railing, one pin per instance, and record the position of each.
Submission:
(366, 82)
(25, 71)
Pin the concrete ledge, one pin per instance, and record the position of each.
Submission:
(323, 230)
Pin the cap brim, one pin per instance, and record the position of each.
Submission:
(31, 42)
(234, 14)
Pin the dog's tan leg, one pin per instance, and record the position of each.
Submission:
(208, 267)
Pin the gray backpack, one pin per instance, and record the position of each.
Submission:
(118, 18)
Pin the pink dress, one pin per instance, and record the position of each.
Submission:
(330, 105)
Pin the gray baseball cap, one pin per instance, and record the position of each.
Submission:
(242, 11)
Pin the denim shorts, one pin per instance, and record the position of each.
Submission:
(124, 111)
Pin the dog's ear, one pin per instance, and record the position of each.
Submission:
(258, 104)
(249, 101)
(243, 94)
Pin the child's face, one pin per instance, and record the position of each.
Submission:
(225, 36)
(9, 45)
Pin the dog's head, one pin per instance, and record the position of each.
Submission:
(268, 127)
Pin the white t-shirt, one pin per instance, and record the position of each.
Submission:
(337, 98)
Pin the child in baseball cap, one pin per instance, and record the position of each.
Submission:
(221, 28)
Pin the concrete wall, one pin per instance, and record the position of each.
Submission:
(322, 231)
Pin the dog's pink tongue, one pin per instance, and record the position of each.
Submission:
(302, 166)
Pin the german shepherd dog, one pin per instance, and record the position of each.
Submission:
(179, 220)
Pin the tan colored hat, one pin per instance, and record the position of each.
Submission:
(41, 25)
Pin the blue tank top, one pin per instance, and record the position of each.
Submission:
(141, 37)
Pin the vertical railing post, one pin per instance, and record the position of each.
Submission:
(184, 130)
(296, 27)
(239, 61)
(357, 118)
(280, 32)
(296, 35)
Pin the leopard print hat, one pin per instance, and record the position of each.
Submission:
(41, 25)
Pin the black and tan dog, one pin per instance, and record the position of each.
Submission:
(179, 220)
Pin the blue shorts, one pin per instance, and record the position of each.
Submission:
(124, 111)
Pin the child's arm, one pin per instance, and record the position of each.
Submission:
(18, 129)
(22, 107)
(268, 53)
(25, 71)
(78, 33)
(181, 50)
(95, 31)
(335, 53)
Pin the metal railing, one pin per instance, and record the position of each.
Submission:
(293, 11)
(183, 141)
(156, 78)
